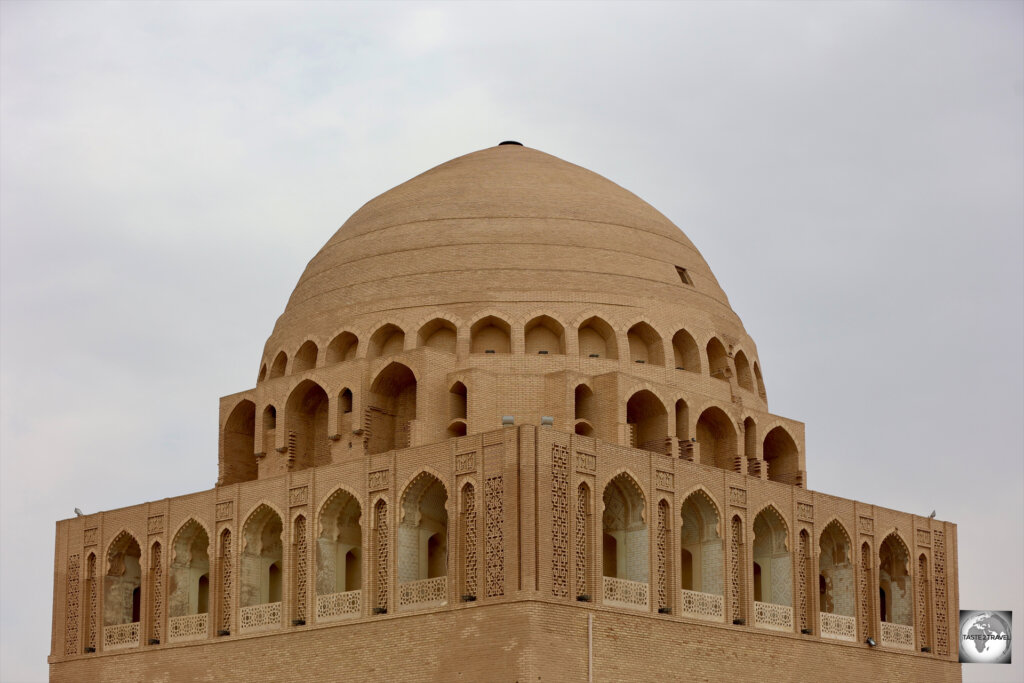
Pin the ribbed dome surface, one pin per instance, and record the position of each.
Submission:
(504, 224)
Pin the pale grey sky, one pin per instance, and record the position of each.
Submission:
(853, 173)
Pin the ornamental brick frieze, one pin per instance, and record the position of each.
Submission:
(298, 495)
(225, 510)
(90, 536)
(379, 480)
(805, 511)
(155, 524)
(737, 497)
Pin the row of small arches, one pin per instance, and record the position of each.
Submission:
(392, 406)
(542, 335)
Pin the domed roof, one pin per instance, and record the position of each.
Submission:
(504, 224)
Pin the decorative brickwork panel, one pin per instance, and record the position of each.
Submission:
(625, 593)
(802, 561)
(339, 605)
(867, 525)
(736, 564)
(495, 550)
(381, 555)
(924, 537)
(582, 542)
(737, 496)
(559, 521)
(941, 626)
(424, 593)
(465, 462)
(189, 627)
(379, 480)
(157, 592)
(298, 495)
(661, 550)
(224, 510)
(702, 605)
(838, 627)
(773, 617)
(226, 581)
(91, 622)
(664, 480)
(301, 568)
(265, 617)
(921, 601)
(864, 590)
(897, 635)
(470, 562)
(121, 636)
(91, 536)
(155, 524)
(805, 511)
(586, 462)
(71, 614)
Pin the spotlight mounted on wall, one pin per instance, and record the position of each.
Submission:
(547, 421)
(508, 420)
(871, 642)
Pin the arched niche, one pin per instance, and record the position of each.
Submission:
(423, 530)
(647, 417)
(261, 558)
(718, 359)
(342, 348)
(625, 548)
(597, 339)
(392, 408)
(544, 335)
(685, 352)
(389, 340)
(645, 345)
(122, 583)
(306, 422)
(189, 572)
(305, 357)
(773, 575)
(239, 445)
(438, 334)
(782, 456)
(716, 436)
(490, 335)
(700, 544)
(743, 376)
(339, 545)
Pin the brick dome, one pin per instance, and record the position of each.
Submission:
(504, 224)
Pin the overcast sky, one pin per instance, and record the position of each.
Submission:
(852, 171)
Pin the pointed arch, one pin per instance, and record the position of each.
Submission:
(306, 424)
(718, 359)
(701, 545)
(760, 382)
(189, 570)
(490, 334)
(388, 340)
(625, 548)
(392, 408)
(685, 352)
(597, 339)
(648, 420)
(339, 548)
(645, 345)
(544, 335)
(440, 334)
(279, 366)
(716, 436)
(122, 585)
(782, 456)
(896, 604)
(743, 376)
(261, 558)
(306, 356)
(423, 529)
(239, 460)
(342, 348)
(773, 583)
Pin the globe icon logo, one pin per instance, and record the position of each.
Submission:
(985, 637)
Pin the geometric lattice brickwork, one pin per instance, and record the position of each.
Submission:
(157, 590)
(582, 546)
(93, 597)
(495, 549)
(73, 617)
(381, 556)
(921, 601)
(559, 521)
(263, 617)
(226, 581)
(301, 568)
(470, 564)
(802, 561)
(424, 593)
(941, 627)
(121, 636)
(188, 627)
(897, 635)
(338, 605)
(625, 593)
(774, 617)
(702, 605)
(838, 627)
(867, 615)
(661, 548)
(735, 569)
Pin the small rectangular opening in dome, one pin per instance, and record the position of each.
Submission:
(684, 276)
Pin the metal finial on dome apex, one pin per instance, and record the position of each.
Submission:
(510, 142)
